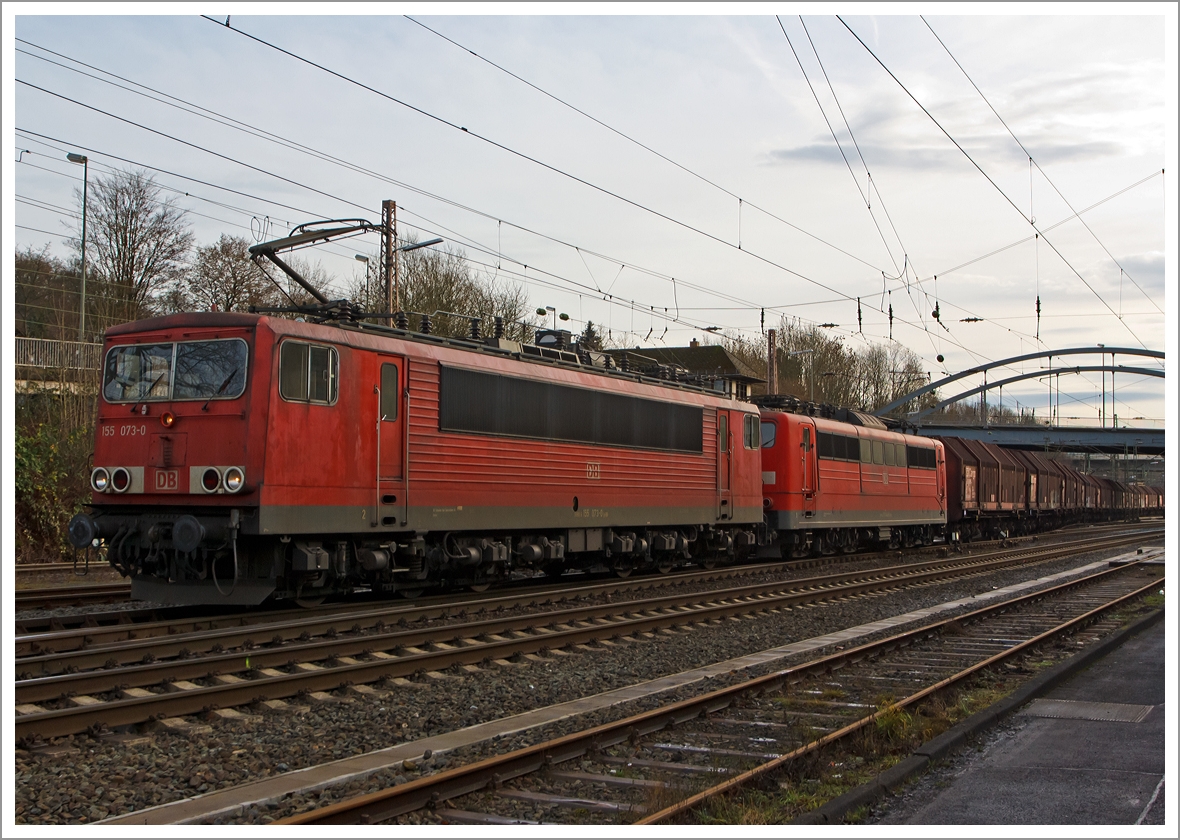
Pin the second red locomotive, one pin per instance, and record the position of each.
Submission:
(835, 485)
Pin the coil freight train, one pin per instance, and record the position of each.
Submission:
(244, 457)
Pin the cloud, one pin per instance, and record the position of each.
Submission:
(1149, 264)
(923, 157)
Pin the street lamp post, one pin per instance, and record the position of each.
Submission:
(413, 246)
(82, 159)
(368, 289)
(810, 378)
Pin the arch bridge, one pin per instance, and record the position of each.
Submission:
(1034, 436)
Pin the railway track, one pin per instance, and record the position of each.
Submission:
(53, 597)
(666, 764)
(76, 595)
(70, 682)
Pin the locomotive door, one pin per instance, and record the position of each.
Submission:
(389, 399)
(940, 481)
(724, 464)
(810, 477)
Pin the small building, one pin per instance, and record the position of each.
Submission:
(710, 363)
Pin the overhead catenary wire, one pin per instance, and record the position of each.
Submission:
(243, 126)
(989, 179)
(613, 300)
(870, 185)
(625, 136)
(741, 200)
(648, 271)
(845, 297)
(529, 158)
(1033, 162)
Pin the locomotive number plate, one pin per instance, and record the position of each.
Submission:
(593, 470)
(125, 430)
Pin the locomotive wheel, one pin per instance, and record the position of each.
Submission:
(623, 571)
(307, 601)
(411, 594)
(665, 567)
(479, 587)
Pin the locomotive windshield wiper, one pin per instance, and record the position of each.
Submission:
(151, 388)
(219, 391)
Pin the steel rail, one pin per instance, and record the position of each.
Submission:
(483, 641)
(230, 631)
(51, 597)
(98, 626)
(77, 649)
(432, 790)
(752, 775)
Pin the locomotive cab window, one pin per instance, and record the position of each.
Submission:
(751, 431)
(308, 372)
(389, 392)
(768, 433)
(186, 370)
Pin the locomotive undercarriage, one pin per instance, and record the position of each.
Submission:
(797, 544)
(175, 557)
(997, 526)
(411, 564)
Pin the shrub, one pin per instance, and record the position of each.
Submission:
(51, 486)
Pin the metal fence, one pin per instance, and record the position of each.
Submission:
(61, 355)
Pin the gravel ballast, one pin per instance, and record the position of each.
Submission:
(104, 778)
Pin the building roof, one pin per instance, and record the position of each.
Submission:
(704, 359)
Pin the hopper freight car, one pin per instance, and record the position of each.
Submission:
(994, 492)
(240, 457)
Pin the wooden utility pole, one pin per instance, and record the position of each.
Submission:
(389, 262)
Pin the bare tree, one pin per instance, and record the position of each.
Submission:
(137, 241)
(439, 283)
(224, 278)
(47, 295)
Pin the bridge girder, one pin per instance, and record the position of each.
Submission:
(1047, 354)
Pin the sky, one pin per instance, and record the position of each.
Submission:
(658, 168)
(661, 169)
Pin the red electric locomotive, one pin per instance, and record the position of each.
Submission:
(240, 457)
(831, 485)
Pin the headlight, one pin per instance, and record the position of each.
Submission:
(211, 480)
(120, 480)
(234, 480)
(100, 480)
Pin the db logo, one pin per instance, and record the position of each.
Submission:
(167, 479)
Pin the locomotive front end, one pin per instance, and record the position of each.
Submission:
(172, 481)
